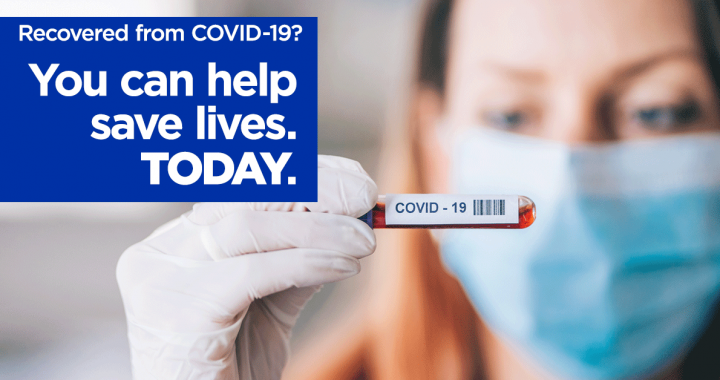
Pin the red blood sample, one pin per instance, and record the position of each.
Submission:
(526, 216)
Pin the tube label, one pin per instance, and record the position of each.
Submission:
(450, 209)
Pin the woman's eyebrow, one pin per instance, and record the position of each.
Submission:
(625, 71)
(638, 67)
(514, 72)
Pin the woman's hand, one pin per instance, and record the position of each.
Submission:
(240, 270)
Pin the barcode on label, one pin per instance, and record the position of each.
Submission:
(489, 207)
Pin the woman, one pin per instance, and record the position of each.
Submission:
(604, 112)
(573, 72)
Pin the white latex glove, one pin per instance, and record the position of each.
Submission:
(228, 271)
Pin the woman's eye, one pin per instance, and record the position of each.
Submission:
(506, 120)
(668, 118)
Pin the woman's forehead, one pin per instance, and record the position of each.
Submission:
(563, 34)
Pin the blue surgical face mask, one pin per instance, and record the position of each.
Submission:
(619, 274)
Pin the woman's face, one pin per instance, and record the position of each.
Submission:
(575, 71)
(578, 71)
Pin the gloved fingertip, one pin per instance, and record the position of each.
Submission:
(198, 214)
(371, 195)
(365, 240)
(346, 265)
(364, 199)
(210, 244)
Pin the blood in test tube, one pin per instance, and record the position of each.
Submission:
(376, 218)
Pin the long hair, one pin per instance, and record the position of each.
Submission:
(427, 326)
(702, 361)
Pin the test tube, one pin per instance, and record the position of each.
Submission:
(441, 211)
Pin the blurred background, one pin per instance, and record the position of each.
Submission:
(61, 316)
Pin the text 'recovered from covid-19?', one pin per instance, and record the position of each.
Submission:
(158, 109)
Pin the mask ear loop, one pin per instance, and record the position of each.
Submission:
(438, 236)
